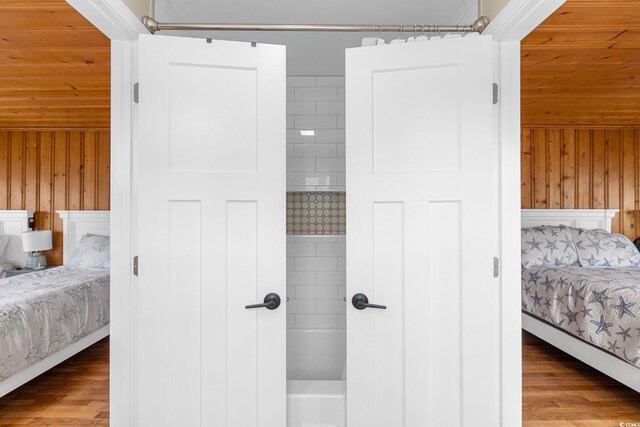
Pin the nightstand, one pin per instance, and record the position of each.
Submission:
(19, 271)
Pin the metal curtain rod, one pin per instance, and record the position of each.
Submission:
(478, 26)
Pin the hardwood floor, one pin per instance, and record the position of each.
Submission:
(74, 393)
(557, 391)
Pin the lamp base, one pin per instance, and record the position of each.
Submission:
(36, 261)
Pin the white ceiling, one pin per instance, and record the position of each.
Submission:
(314, 53)
(316, 11)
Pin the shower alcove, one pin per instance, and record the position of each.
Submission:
(316, 251)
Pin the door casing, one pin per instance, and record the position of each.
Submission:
(513, 23)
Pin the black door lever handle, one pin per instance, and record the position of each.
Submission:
(360, 302)
(271, 302)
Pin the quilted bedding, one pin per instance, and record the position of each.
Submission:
(598, 305)
(43, 312)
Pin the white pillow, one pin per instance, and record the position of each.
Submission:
(92, 251)
(599, 248)
(547, 245)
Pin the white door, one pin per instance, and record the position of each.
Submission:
(211, 234)
(421, 235)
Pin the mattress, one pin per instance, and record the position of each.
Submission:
(598, 305)
(43, 312)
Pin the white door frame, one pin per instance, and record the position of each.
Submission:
(116, 21)
(513, 23)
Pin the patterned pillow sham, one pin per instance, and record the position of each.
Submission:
(92, 251)
(547, 245)
(598, 248)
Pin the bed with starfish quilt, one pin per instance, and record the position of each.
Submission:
(586, 282)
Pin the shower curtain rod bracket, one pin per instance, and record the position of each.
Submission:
(478, 26)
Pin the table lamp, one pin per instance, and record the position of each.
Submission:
(34, 242)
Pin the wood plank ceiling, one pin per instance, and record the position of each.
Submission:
(581, 67)
(54, 67)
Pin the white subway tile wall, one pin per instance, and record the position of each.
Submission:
(315, 103)
(316, 277)
(316, 282)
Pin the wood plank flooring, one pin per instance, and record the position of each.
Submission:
(557, 391)
(74, 393)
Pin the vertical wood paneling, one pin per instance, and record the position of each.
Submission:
(44, 208)
(629, 180)
(31, 169)
(539, 177)
(525, 167)
(90, 171)
(583, 169)
(60, 165)
(568, 170)
(103, 164)
(16, 174)
(4, 171)
(54, 170)
(554, 166)
(612, 174)
(598, 167)
(74, 171)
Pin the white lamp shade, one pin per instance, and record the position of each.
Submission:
(34, 241)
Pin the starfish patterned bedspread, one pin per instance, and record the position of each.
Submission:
(598, 305)
(43, 312)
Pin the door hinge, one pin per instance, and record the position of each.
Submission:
(495, 93)
(496, 267)
(135, 265)
(135, 92)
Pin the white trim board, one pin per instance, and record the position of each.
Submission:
(580, 218)
(49, 362)
(14, 223)
(112, 17)
(75, 224)
(519, 17)
(507, 132)
(124, 72)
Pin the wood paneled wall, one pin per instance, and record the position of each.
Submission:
(565, 168)
(50, 170)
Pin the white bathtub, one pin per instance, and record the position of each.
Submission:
(315, 377)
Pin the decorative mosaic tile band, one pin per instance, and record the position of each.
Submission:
(316, 212)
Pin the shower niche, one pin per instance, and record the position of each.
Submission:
(316, 249)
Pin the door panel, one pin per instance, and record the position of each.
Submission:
(211, 184)
(421, 239)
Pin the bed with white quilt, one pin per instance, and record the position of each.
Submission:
(581, 289)
(49, 315)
